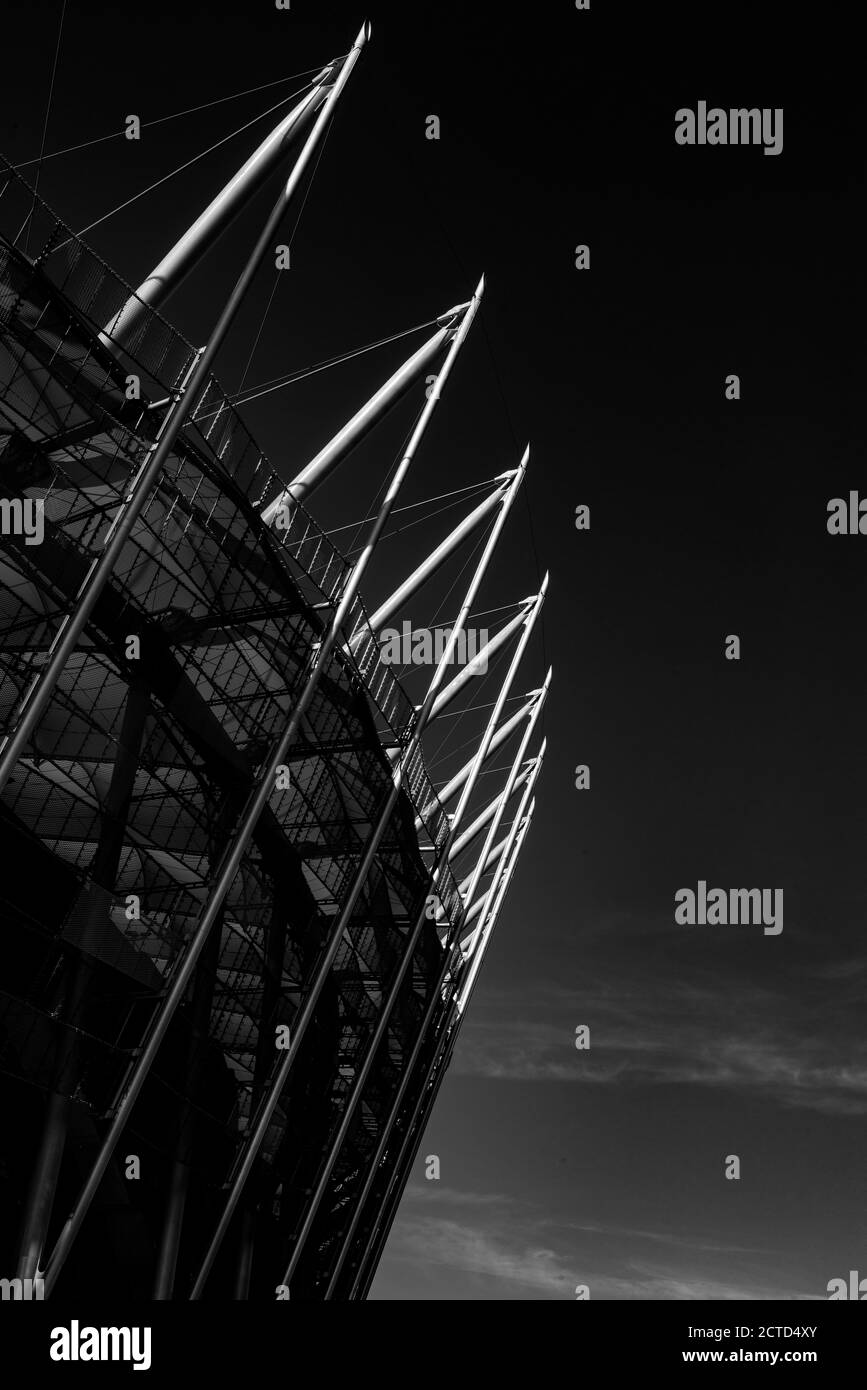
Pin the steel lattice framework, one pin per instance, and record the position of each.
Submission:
(205, 641)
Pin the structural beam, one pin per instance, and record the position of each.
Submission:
(485, 817)
(507, 791)
(198, 239)
(414, 1129)
(481, 661)
(496, 895)
(493, 858)
(438, 557)
(502, 734)
(363, 421)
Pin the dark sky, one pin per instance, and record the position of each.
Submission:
(708, 518)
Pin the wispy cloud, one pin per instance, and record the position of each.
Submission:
(437, 1240)
(435, 1194)
(674, 1033)
(529, 1215)
(516, 1259)
(660, 1238)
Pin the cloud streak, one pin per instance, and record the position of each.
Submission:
(520, 1258)
(672, 1034)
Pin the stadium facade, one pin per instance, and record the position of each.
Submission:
(241, 923)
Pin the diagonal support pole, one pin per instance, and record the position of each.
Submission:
(418, 1123)
(427, 1093)
(140, 487)
(485, 817)
(437, 557)
(494, 827)
(482, 660)
(435, 998)
(388, 1128)
(363, 421)
(501, 736)
(198, 239)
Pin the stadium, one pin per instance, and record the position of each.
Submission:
(243, 919)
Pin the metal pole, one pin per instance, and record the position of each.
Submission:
(484, 933)
(434, 1075)
(510, 782)
(449, 948)
(373, 410)
(492, 913)
(418, 1123)
(177, 263)
(246, 1244)
(43, 1185)
(503, 733)
(73, 625)
(408, 1071)
(467, 836)
(437, 557)
(493, 858)
(170, 1237)
(481, 660)
(260, 1123)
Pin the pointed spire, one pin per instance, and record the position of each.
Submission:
(332, 454)
(222, 210)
